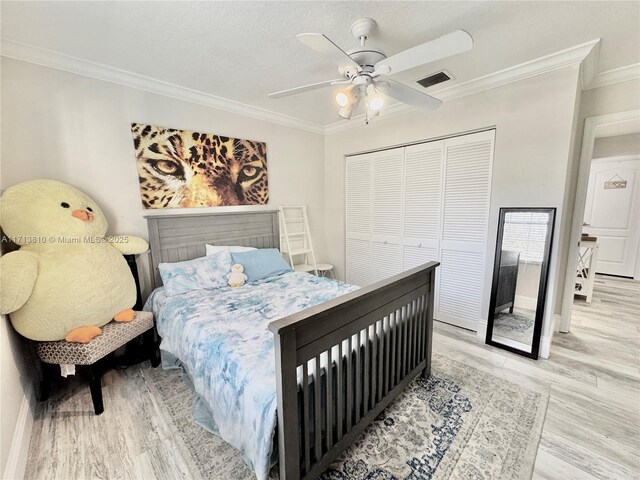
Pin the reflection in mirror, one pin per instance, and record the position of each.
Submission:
(520, 279)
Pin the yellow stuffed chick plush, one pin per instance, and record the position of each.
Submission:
(66, 280)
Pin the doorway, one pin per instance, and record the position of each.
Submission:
(612, 208)
(605, 234)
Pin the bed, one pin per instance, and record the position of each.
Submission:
(339, 356)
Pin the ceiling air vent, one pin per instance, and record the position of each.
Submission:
(435, 79)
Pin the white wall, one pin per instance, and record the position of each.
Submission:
(77, 129)
(528, 282)
(617, 146)
(534, 122)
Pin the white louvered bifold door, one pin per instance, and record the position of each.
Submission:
(358, 219)
(387, 214)
(467, 186)
(422, 210)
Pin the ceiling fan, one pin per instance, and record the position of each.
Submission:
(363, 69)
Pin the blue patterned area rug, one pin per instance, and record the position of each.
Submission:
(461, 423)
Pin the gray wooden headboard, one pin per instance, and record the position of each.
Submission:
(175, 238)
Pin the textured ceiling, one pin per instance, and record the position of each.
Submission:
(244, 50)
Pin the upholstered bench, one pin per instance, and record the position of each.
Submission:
(114, 335)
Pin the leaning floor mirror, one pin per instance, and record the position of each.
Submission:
(519, 284)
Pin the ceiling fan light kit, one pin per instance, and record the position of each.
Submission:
(362, 68)
(344, 97)
(345, 112)
(351, 99)
(376, 103)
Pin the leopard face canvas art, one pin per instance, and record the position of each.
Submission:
(182, 169)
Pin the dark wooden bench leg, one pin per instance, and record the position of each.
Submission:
(95, 385)
(151, 345)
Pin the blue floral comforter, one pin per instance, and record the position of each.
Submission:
(221, 338)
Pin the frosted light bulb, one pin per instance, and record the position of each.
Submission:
(342, 99)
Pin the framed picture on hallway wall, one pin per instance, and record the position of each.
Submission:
(183, 169)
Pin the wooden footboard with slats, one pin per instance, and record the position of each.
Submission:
(364, 348)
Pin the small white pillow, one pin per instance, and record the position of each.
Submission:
(213, 249)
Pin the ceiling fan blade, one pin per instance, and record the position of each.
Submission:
(381, 70)
(304, 88)
(445, 46)
(321, 44)
(411, 97)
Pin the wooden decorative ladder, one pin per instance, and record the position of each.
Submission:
(295, 239)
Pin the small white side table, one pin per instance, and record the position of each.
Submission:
(325, 270)
(586, 272)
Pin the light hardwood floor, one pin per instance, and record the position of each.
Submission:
(592, 427)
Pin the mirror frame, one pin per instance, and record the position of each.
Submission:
(542, 288)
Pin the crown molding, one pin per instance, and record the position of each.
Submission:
(539, 66)
(49, 58)
(617, 75)
(589, 66)
(585, 55)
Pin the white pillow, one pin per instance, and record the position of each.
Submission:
(213, 249)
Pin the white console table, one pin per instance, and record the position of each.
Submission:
(586, 272)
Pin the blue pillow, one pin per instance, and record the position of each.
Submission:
(197, 274)
(261, 263)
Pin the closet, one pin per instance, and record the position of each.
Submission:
(409, 205)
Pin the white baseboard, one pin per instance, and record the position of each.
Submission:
(545, 346)
(17, 460)
(546, 340)
(467, 324)
(482, 330)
